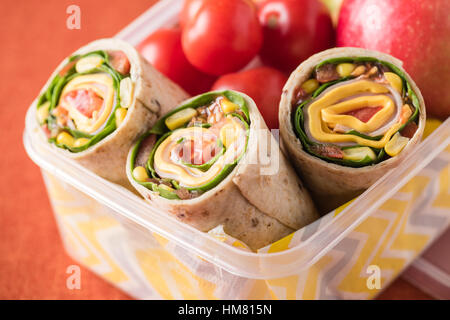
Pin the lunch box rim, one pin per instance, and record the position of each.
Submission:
(234, 260)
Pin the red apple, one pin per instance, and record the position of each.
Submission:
(415, 31)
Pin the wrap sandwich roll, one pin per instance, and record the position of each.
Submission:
(99, 101)
(200, 164)
(347, 116)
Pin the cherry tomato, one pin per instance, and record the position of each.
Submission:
(364, 114)
(190, 8)
(293, 31)
(263, 84)
(163, 50)
(223, 36)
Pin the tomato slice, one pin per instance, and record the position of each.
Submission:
(364, 114)
(119, 61)
(198, 153)
(409, 130)
(46, 130)
(86, 101)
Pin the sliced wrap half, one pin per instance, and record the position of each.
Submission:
(98, 101)
(347, 116)
(200, 163)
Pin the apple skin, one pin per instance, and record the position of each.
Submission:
(414, 31)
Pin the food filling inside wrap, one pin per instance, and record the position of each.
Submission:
(193, 148)
(355, 111)
(87, 100)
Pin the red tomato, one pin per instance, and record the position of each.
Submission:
(263, 84)
(364, 114)
(119, 61)
(190, 8)
(47, 132)
(198, 152)
(415, 31)
(84, 100)
(163, 50)
(293, 31)
(223, 36)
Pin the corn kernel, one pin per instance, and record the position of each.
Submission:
(180, 118)
(140, 174)
(358, 71)
(126, 92)
(65, 138)
(358, 154)
(395, 81)
(80, 142)
(345, 69)
(120, 113)
(372, 71)
(310, 85)
(88, 63)
(228, 106)
(42, 112)
(396, 144)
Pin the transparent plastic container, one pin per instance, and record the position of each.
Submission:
(151, 255)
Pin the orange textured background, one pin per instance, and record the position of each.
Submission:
(34, 39)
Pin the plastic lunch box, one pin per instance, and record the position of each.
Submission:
(353, 252)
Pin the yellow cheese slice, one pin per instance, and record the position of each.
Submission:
(334, 114)
(324, 113)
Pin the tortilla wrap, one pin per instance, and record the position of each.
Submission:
(253, 207)
(331, 184)
(154, 94)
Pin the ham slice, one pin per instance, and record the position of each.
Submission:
(145, 150)
(328, 151)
